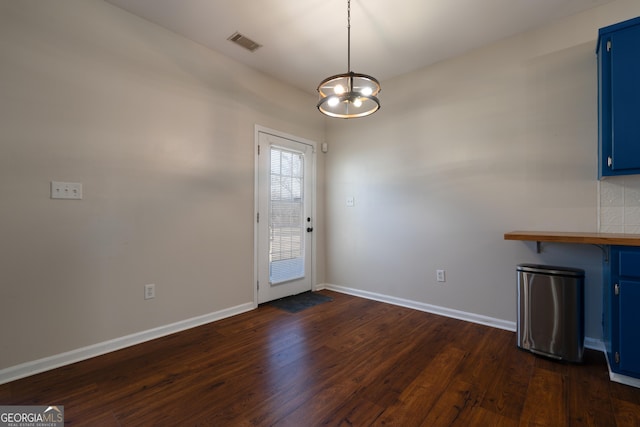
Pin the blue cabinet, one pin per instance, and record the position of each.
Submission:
(621, 320)
(619, 99)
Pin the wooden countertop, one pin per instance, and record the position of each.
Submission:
(575, 237)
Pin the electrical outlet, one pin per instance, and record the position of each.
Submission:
(149, 291)
(351, 201)
(440, 277)
(66, 190)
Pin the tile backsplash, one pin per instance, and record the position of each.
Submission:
(619, 202)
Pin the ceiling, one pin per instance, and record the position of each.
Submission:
(304, 41)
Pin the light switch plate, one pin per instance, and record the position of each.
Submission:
(149, 291)
(66, 190)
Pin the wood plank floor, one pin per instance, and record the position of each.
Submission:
(348, 362)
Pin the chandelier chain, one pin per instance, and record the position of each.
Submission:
(349, 36)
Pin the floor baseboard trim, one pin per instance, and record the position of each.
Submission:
(594, 344)
(591, 343)
(619, 378)
(23, 370)
(429, 308)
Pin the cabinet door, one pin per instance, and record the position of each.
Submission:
(604, 106)
(625, 99)
(629, 324)
(609, 312)
(619, 99)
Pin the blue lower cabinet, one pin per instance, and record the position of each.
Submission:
(621, 321)
(629, 353)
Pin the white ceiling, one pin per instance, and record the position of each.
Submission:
(305, 41)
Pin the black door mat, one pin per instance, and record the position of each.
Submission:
(299, 302)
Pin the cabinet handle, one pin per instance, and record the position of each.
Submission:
(616, 289)
(609, 161)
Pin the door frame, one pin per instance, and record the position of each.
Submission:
(262, 129)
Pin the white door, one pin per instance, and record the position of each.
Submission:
(284, 221)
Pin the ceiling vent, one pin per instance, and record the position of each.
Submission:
(244, 41)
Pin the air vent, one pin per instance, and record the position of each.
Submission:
(244, 41)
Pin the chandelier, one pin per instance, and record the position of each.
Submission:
(349, 95)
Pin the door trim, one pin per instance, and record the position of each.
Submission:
(262, 129)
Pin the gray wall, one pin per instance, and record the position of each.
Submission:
(502, 138)
(160, 131)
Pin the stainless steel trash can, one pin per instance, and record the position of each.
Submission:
(551, 311)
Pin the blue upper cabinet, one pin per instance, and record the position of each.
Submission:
(619, 99)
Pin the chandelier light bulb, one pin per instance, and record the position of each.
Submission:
(366, 91)
(357, 103)
(333, 101)
(339, 89)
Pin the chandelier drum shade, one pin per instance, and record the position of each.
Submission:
(349, 95)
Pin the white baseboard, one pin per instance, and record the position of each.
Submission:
(591, 343)
(443, 311)
(619, 378)
(594, 344)
(41, 365)
(623, 379)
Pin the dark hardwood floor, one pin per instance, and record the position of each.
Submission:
(349, 362)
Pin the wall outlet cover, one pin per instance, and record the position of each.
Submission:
(149, 291)
(66, 190)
